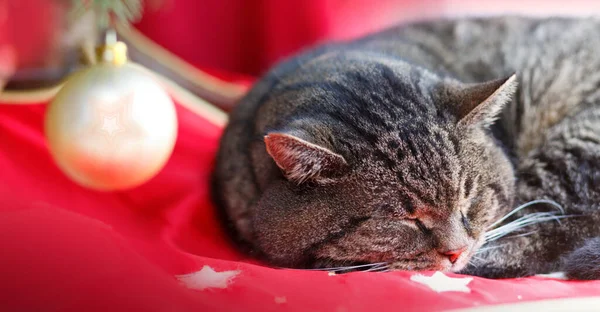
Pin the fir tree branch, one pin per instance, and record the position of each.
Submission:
(108, 12)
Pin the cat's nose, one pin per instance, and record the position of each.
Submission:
(453, 255)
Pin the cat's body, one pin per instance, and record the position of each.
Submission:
(373, 151)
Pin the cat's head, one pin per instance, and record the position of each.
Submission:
(414, 185)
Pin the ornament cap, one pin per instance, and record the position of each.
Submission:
(112, 53)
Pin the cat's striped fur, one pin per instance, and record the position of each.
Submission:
(387, 149)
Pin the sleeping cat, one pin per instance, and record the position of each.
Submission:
(407, 148)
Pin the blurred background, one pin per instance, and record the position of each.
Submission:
(231, 39)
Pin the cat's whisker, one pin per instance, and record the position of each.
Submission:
(513, 226)
(383, 268)
(385, 271)
(474, 263)
(518, 224)
(526, 234)
(484, 249)
(345, 268)
(527, 220)
(528, 204)
(522, 222)
(532, 217)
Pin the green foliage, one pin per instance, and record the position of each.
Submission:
(108, 12)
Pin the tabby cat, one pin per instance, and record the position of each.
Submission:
(406, 149)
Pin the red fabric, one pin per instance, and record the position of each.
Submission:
(248, 36)
(66, 248)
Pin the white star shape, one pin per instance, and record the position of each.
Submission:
(111, 125)
(207, 277)
(439, 282)
(113, 120)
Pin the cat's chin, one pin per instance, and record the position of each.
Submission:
(444, 266)
(457, 267)
(447, 266)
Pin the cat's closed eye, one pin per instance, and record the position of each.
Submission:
(420, 225)
(465, 222)
(417, 223)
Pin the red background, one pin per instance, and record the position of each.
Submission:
(232, 36)
(248, 36)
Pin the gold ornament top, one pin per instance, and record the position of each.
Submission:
(112, 53)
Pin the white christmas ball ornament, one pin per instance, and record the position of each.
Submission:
(111, 126)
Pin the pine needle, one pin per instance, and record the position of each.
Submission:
(108, 12)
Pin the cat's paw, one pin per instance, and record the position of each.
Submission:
(584, 263)
(495, 272)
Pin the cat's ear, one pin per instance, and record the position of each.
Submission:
(301, 160)
(480, 103)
